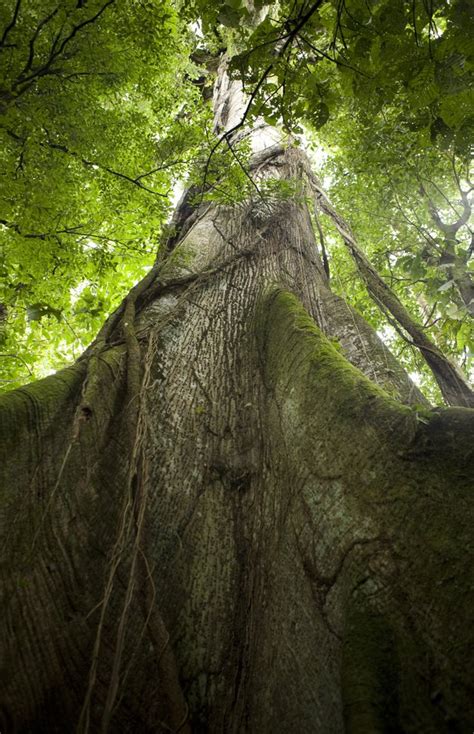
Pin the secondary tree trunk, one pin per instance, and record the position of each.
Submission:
(453, 385)
(228, 517)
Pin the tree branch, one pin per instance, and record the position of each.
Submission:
(453, 385)
(25, 79)
(460, 222)
(91, 164)
(10, 26)
(31, 45)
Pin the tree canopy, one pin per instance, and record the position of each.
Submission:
(104, 116)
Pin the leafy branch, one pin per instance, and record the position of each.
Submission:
(137, 181)
(10, 26)
(29, 74)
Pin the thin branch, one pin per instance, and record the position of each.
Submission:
(77, 231)
(11, 24)
(247, 174)
(440, 192)
(91, 164)
(163, 167)
(31, 45)
(25, 82)
(15, 356)
(38, 235)
(455, 226)
(427, 324)
(330, 58)
(82, 25)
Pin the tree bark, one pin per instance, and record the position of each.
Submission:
(229, 516)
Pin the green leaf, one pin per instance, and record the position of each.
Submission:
(229, 16)
(320, 115)
(36, 311)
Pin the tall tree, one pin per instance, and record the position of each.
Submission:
(236, 512)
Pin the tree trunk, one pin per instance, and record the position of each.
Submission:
(454, 387)
(228, 518)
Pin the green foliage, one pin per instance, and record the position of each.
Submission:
(94, 132)
(311, 60)
(238, 186)
(398, 197)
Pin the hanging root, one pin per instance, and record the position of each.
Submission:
(129, 546)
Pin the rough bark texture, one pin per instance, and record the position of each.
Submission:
(216, 523)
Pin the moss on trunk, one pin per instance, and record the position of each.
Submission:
(406, 623)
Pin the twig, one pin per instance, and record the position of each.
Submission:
(11, 25)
